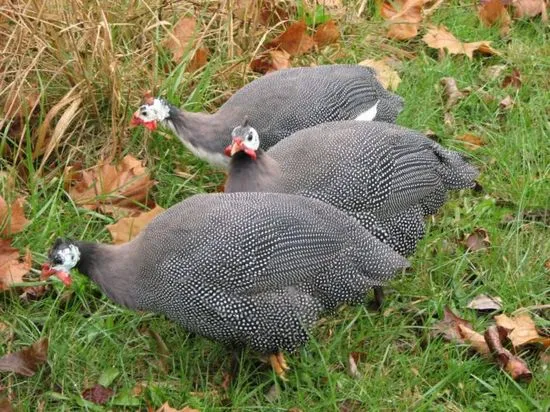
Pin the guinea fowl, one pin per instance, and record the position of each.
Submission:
(244, 269)
(386, 176)
(278, 104)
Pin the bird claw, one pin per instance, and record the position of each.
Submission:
(279, 365)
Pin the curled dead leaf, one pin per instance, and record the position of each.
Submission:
(513, 80)
(129, 227)
(384, 73)
(167, 408)
(294, 40)
(26, 361)
(506, 104)
(12, 217)
(478, 240)
(493, 12)
(513, 365)
(327, 33)
(270, 61)
(403, 23)
(184, 38)
(476, 340)
(485, 303)
(452, 93)
(98, 394)
(441, 38)
(449, 326)
(353, 359)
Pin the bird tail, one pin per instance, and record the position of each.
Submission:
(456, 173)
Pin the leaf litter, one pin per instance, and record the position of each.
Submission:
(384, 72)
(128, 228)
(485, 303)
(439, 37)
(26, 361)
(12, 217)
(12, 268)
(183, 38)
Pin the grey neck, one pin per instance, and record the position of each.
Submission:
(205, 135)
(113, 268)
(252, 175)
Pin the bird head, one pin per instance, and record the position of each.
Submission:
(62, 257)
(245, 139)
(151, 112)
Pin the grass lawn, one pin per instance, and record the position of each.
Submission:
(401, 366)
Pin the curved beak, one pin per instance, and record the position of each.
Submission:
(48, 270)
(239, 146)
(138, 121)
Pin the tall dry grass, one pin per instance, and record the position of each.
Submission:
(73, 70)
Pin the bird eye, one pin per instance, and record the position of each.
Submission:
(57, 260)
(144, 113)
(249, 137)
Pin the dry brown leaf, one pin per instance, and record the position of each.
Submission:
(182, 39)
(452, 93)
(441, 38)
(18, 105)
(514, 365)
(449, 326)
(167, 408)
(476, 340)
(271, 61)
(521, 330)
(449, 120)
(530, 8)
(384, 73)
(12, 217)
(494, 12)
(478, 240)
(547, 264)
(12, 269)
(403, 24)
(353, 359)
(107, 187)
(98, 394)
(327, 33)
(5, 405)
(507, 103)
(294, 40)
(471, 141)
(129, 227)
(485, 303)
(513, 79)
(26, 361)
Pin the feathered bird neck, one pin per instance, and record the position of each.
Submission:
(252, 175)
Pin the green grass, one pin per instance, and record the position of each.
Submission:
(402, 366)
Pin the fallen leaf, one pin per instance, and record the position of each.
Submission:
(513, 79)
(167, 408)
(12, 269)
(294, 40)
(384, 73)
(129, 227)
(485, 303)
(182, 39)
(449, 120)
(403, 24)
(472, 141)
(270, 61)
(492, 72)
(12, 217)
(351, 405)
(98, 394)
(327, 33)
(452, 93)
(26, 361)
(19, 105)
(493, 12)
(110, 188)
(5, 405)
(547, 264)
(507, 103)
(441, 38)
(530, 8)
(478, 240)
(476, 340)
(352, 365)
(449, 326)
(521, 330)
(514, 365)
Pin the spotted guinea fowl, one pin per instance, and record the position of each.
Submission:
(244, 269)
(386, 176)
(278, 104)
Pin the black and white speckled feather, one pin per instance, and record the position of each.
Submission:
(254, 269)
(385, 175)
(283, 102)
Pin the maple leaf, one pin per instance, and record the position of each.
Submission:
(455, 329)
(12, 217)
(327, 33)
(111, 188)
(521, 330)
(183, 38)
(384, 73)
(128, 228)
(12, 269)
(270, 61)
(441, 38)
(294, 40)
(26, 361)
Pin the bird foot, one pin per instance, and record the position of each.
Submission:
(279, 365)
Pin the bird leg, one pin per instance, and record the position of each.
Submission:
(378, 297)
(279, 365)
